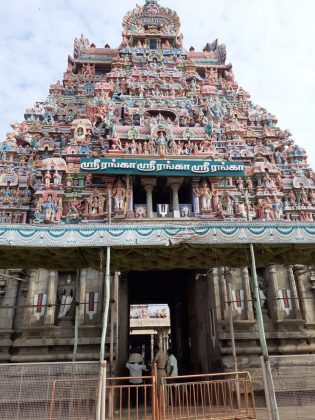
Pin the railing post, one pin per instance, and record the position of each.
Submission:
(263, 369)
(103, 411)
(102, 391)
(229, 296)
(262, 338)
(76, 319)
(52, 401)
(155, 392)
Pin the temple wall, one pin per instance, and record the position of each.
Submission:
(32, 331)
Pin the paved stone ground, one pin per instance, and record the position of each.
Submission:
(290, 413)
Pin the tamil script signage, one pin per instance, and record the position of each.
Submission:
(166, 167)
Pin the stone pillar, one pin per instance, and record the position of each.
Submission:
(130, 200)
(175, 189)
(196, 203)
(51, 298)
(164, 334)
(122, 349)
(129, 185)
(81, 295)
(29, 311)
(8, 296)
(303, 276)
(152, 346)
(215, 292)
(273, 293)
(175, 184)
(223, 293)
(148, 190)
(24, 217)
(249, 311)
(295, 299)
(149, 184)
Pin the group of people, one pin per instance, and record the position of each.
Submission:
(166, 365)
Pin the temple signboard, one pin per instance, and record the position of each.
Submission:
(166, 167)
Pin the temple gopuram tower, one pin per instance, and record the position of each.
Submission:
(157, 152)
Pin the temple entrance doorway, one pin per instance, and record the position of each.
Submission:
(150, 325)
(191, 327)
(158, 299)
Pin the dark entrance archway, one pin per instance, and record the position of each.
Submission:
(189, 296)
(170, 287)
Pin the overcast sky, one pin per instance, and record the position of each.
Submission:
(269, 42)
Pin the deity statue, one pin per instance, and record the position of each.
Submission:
(161, 143)
(50, 208)
(57, 178)
(269, 183)
(228, 205)
(47, 179)
(116, 144)
(292, 199)
(277, 207)
(73, 208)
(119, 194)
(249, 184)
(205, 194)
(205, 146)
(208, 126)
(240, 183)
(96, 205)
(268, 211)
(65, 297)
(59, 209)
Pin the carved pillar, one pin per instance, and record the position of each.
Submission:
(130, 196)
(30, 297)
(51, 298)
(8, 295)
(148, 190)
(175, 189)
(303, 276)
(273, 293)
(249, 312)
(109, 198)
(223, 293)
(196, 204)
(215, 297)
(175, 184)
(149, 184)
(295, 299)
(81, 295)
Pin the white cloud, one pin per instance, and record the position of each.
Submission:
(269, 43)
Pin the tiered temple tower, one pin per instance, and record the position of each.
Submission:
(102, 149)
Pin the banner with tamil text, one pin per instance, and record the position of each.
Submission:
(161, 167)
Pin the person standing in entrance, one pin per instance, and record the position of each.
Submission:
(136, 391)
(171, 368)
(160, 359)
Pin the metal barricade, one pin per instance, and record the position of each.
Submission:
(125, 400)
(27, 388)
(217, 396)
(76, 400)
(69, 391)
(294, 384)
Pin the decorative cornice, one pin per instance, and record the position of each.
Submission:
(156, 234)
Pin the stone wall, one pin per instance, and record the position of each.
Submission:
(37, 314)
